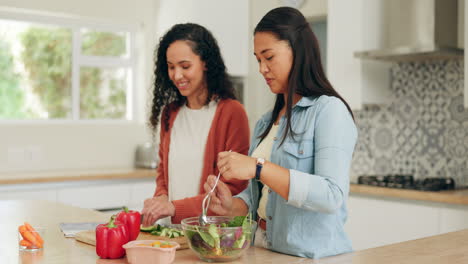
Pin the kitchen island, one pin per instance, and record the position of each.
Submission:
(446, 248)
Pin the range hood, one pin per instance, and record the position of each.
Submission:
(412, 30)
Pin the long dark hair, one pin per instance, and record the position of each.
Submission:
(204, 45)
(307, 77)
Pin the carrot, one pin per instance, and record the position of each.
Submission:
(29, 236)
(22, 229)
(34, 232)
(167, 246)
(26, 243)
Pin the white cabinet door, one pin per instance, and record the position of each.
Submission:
(453, 219)
(355, 26)
(378, 222)
(139, 192)
(102, 196)
(227, 20)
(48, 195)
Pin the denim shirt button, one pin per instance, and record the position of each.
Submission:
(301, 152)
(275, 138)
(269, 190)
(269, 217)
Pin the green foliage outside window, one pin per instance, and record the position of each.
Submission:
(93, 104)
(11, 96)
(103, 44)
(47, 57)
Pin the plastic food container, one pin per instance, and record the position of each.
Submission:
(216, 242)
(142, 252)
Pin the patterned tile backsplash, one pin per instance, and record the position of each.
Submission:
(423, 131)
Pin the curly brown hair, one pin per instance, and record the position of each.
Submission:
(204, 45)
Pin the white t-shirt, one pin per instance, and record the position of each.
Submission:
(263, 150)
(187, 150)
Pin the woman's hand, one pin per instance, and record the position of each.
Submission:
(156, 208)
(221, 198)
(233, 165)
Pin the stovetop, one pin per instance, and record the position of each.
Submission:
(408, 182)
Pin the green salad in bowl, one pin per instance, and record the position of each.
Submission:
(224, 238)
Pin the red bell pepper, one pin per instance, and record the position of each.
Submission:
(131, 219)
(110, 238)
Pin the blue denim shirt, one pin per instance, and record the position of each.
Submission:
(310, 223)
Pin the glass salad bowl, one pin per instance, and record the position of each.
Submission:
(223, 239)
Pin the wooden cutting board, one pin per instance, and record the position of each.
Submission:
(89, 237)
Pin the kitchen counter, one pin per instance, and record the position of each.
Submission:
(446, 248)
(63, 176)
(457, 197)
(60, 250)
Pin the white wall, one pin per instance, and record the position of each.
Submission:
(65, 146)
(226, 20)
(118, 10)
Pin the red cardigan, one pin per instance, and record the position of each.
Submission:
(229, 131)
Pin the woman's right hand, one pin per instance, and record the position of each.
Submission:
(156, 208)
(221, 198)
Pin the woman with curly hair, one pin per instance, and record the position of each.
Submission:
(199, 116)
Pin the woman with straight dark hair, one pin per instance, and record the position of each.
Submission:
(301, 151)
(200, 117)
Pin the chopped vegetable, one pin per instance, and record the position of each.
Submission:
(158, 244)
(159, 230)
(147, 228)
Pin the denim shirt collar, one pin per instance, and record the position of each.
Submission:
(303, 103)
(306, 101)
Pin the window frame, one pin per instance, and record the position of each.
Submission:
(76, 24)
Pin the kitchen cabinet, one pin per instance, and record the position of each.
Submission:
(453, 218)
(354, 26)
(228, 22)
(100, 195)
(139, 192)
(30, 194)
(374, 222)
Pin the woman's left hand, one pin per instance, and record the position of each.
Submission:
(233, 165)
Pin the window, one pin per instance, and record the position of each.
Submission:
(57, 68)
